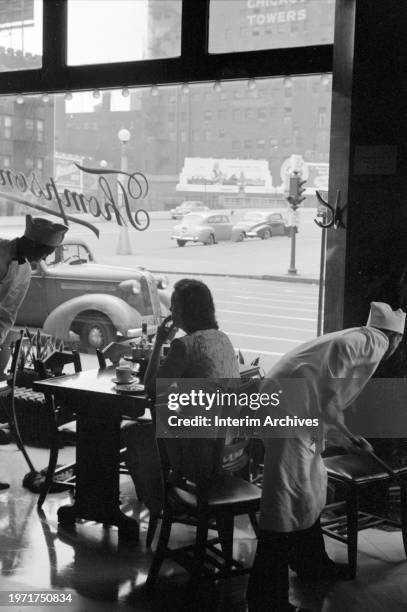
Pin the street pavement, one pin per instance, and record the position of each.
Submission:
(265, 318)
(155, 250)
(262, 318)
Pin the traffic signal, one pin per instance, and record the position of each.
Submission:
(295, 191)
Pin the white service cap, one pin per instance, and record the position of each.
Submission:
(384, 317)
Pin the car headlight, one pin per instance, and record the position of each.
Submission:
(162, 281)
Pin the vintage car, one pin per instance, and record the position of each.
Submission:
(74, 298)
(187, 207)
(207, 228)
(262, 224)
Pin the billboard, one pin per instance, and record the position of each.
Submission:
(211, 175)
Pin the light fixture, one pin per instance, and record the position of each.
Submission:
(96, 94)
(217, 86)
(125, 92)
(185, 88)
(45, 98)
(68, 95)
(251, 84)
(288, 82)
(20, 99)
(124, 135)
(154, 90)
(325, 79)
(103, 163)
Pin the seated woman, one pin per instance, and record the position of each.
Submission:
(203, 352)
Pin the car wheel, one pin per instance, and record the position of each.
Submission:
(181, 243)
(210, 240)
(95, 331)
(266, 234)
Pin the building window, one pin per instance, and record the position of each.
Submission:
(29, 125)
(40, 130)
(8, 124)
(222, 133)
(235, 144)
(248, 144)
(208, 115)
(322, 117)
(29, 164)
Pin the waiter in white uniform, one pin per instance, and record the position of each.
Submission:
(40, 239)
(330, 372)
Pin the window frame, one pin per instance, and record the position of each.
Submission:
(195, 64)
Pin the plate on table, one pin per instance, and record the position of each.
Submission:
(133, 387)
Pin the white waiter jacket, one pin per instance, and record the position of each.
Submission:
(295, 479)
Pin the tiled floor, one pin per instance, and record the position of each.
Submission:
(101, 575)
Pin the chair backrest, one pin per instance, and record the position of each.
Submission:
(114, 352)
(16, 353)
(55, 363)
(191, 464)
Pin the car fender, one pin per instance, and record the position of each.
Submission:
(236, 232)
(122, 315)
(261, 226)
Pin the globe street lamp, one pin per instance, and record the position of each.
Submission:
(123, 245)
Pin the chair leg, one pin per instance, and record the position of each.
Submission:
(52, 463)
(159, 555)
(403, 515)
(225, 529)
(352, 529)
(152, 527)
(254, 522)
(198, 561)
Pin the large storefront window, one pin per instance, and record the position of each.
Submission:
(217, 158)
(123, 31)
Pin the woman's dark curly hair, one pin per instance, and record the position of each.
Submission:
(196, 304)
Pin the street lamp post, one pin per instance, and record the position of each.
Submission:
(123, 245)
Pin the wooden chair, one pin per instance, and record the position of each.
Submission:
(196, 488)
(8, 399)
(356, 474)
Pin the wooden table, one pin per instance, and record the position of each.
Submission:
(99, 409)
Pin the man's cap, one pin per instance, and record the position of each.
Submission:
(44, 231)
(384, 317)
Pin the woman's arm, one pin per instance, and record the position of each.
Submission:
(173, 366)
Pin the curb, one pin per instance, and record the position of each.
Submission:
(268, 277)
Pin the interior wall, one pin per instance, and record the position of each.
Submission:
(368, 260)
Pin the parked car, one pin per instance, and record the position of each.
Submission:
(74, 298)
(187, 207)
(262, 224)
(206, 228)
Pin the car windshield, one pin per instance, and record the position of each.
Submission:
(192, 219)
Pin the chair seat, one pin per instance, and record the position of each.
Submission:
(229, 490)
(357, 468)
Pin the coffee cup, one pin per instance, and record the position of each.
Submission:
(124, 374)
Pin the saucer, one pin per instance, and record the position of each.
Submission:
(131, 388)
(133, 380)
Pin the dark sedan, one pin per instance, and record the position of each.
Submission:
(262, 224)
